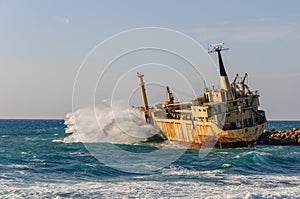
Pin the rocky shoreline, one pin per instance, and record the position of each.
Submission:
(280, 137)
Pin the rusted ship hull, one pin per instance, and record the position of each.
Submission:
(206, 134)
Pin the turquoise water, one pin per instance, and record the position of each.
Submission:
(35, 162)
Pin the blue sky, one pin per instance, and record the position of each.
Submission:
(43, 43)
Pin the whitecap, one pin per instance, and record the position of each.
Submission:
(58, 140)
(223, 152)
(226, 165)
(18, 166)
(252, 187)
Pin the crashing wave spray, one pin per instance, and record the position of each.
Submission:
(103, 123)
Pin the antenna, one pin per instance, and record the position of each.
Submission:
(138, 74)
(216, 48)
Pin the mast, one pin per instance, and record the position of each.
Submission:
(224, 81)
(170, 98)
(144, 96)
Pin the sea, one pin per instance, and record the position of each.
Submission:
(37, 161)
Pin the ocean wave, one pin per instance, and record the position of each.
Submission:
(252, 187)
(18, 166)
(58, 140)
(117, 125)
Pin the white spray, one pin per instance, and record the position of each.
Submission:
(105, 123)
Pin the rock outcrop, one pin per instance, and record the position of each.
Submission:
(280, 137)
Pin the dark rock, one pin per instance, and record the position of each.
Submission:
(293, 137)
(157, 138)
(280, 137)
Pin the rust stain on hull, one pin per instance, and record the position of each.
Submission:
(208, 134)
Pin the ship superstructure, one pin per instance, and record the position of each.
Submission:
(224, 117)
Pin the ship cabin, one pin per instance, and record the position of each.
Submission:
(240, 111)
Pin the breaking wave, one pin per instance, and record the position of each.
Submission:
(117, 125)
(188, 184)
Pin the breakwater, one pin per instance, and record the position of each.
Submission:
(280, 137)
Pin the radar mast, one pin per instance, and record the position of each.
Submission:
(224, 81)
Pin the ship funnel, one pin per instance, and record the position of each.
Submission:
(144, 96)
(224, 81)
